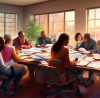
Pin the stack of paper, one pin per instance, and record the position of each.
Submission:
(82, 63)
(77, 55)
(83, 50)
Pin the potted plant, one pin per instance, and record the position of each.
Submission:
(33, 30)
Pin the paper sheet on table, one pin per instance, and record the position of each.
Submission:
(82, 63)
(94, 64)
(77, 55)
(83, 50)
(88, 59)
(48, 45)
(96, 55)
(11, 62)
(72, 51)
(43, 62)
(23, 57)
(40, 56)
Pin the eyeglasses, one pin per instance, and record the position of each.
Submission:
(23, 36)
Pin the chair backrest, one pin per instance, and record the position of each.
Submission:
(50, 73)
(98, 46)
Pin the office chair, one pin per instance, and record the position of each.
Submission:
(4, 78)
(52, 76)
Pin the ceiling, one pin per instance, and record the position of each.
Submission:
(22, 2)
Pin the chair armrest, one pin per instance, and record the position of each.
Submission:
(67, 74)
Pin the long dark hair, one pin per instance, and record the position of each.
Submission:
(2, 44)
(77, 36)
(57, 46)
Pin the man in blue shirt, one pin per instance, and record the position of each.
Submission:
(90, 45)
(43, 40)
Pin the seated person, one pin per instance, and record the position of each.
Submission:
(6, 71)
(21, 41)
(78, 39)
(43, 40)
(8, 53)
(61, 53)
(90, 45)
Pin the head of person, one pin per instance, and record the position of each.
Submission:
(78, 37)
(21, 35)
(2, 45)
(8, 39)
(43, 34)
(86, 37)
(63, 40)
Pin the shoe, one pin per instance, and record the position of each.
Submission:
(88, 82)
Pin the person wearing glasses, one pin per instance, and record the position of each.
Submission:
(43, 40)
(78, 38)
(21, 41)
(90, 45)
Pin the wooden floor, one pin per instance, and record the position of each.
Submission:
(33, 90)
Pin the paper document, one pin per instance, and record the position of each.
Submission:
(48, 45)
(43, 62)
(77, 55)
(23, 57)
(72, 51)
(82, 63)
(11, 62)
(83, 50)
(96, 55)
(88, 59)
(94, 64)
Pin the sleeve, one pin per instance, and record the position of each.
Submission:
(95, 47)
(15, 56)
(69, 63)
(15, 43)
(37, 42)
(2, 65)
(27, 43)
(80, 45)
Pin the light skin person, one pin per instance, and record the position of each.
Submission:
(22, 38)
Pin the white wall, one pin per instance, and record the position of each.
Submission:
(6, 8)
(61, 5)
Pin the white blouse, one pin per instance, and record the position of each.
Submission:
(2, 65)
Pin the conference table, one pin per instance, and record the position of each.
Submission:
(33, 65)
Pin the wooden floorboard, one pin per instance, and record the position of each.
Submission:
(31, 89)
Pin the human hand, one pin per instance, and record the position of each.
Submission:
(42, 45)
(76, 59)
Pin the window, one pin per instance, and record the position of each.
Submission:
(7, 24)
(57, 23)
(70, 25)
(43, 19)
(93, 23)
